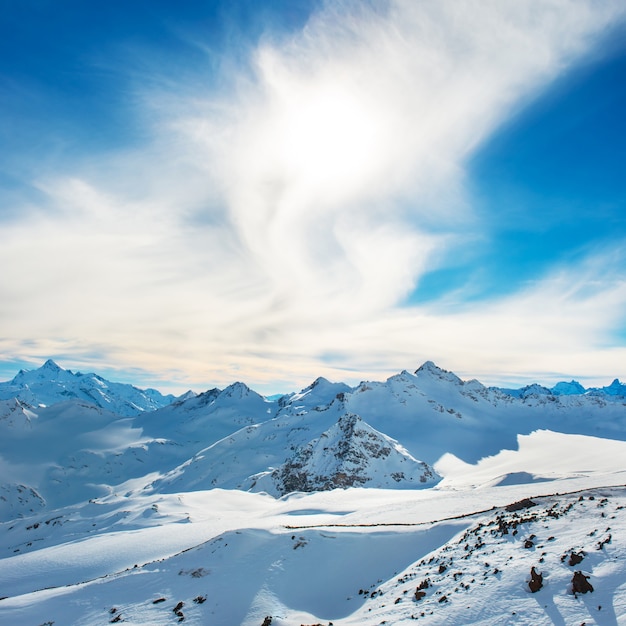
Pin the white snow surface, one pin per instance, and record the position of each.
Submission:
(103, 514)
(350, 557)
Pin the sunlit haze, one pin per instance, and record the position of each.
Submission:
(196, 195)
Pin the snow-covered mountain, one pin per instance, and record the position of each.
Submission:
(378, 434)
(349, 454)
(50, 384)
(616, 389)
(202, 419)
(432, 412)
(356, 505)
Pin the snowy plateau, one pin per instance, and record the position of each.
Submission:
(422, 499)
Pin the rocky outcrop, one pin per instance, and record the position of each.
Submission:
(351, 454)
(19, 500)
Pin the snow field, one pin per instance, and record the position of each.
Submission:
(270, 562)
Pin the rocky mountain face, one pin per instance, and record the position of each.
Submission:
(349, 454)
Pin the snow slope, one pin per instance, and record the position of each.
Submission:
(320, 558)
(224, 502)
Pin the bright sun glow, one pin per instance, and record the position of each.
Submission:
(328, 136)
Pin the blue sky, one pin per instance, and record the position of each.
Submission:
(551, 180)
(196, 193)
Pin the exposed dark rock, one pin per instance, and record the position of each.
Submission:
(536, 580)
(349, 448)
(580, 583)
(419, 591)
(575, 558)
(526, 503)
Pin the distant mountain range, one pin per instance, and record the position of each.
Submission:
(51, 384)
(67, 437)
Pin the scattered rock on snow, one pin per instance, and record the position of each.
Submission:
(536, 580)
(580, 583)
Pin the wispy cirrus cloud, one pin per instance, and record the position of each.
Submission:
(287, 215)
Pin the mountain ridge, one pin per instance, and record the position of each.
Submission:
(50, 384)
(235, 438)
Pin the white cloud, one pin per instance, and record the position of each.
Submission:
(286, 217)
(561, 326)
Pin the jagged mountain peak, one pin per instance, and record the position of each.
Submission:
(236, 394)
(49, 371)
(209, 394)
(237, 390)
(568, 388)
(535, 390)
(474, 385)
(431, 371)
(186, 396)
(350, 453)
(403, 377)
(616, 389)
(191, 400)
(50, 384)
(51, 365)
(320, 380)
(616, 386)
(322, 385)
(320, 394)
(428, 366)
